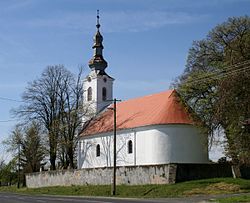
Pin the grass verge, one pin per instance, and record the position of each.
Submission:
(199, 187)
(240, 198)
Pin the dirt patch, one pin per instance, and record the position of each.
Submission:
(216, 188)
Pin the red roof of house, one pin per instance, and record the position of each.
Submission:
(160, 108)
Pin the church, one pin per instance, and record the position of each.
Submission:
(150, 130)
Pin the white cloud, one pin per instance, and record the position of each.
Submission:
(145, 20)
(116, 21)
(198, 4)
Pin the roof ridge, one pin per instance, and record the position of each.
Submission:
(158, 108)
(173, 92)
(149, 95)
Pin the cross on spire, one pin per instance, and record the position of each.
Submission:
(98, 62)
(97, 20)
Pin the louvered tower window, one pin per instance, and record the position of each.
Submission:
(89, 94)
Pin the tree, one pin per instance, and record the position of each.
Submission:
(71, 113)
(32, 149)
(8, 172)
(216, 84)
(26, 143)
(233, 112)
(55, 101)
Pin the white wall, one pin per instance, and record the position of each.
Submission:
(97, 83)
(158, 144)
(171, 144)
(87, 151)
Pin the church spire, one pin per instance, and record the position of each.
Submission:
(97, 21)
(98, 62)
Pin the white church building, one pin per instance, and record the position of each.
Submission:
(150, 130)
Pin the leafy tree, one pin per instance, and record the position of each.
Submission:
(233, 112)
(32, 149)
(55, 101)
(8, 172)
(216, 83)
(27, 143)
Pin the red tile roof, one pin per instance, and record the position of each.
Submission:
(160, 108)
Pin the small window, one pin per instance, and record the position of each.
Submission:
(104, 94)
(89, 94)
(130, 147)
(98, 151)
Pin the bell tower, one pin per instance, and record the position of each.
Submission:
(98, 85)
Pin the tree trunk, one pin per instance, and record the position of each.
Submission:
(71, 158)
(236, 171)
(52, 162)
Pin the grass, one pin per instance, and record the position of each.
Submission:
(240, 198)
(199, 187)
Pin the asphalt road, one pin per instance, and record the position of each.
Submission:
(17, 198)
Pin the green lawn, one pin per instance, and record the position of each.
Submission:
(240, 198)
(208, 186)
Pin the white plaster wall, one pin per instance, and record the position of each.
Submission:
(87, 151)
(109, 87)
(93, 84)
(171, 144)
(97, 83)
(159, 144)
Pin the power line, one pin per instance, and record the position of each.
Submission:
(6, 121)
(219, 75)
(227, 71)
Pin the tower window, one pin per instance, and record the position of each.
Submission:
(104, 94)
(130, 147)
(98, 151)
(89, 94)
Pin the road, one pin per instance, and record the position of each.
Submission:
(17, 198)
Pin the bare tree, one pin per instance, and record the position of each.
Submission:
(71, 113)
(55, 101)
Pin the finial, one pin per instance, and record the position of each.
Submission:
(98, 62)
(98, 24)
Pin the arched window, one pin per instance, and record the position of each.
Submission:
(89, 94)
(98, 151)
(104, 94)
(130, 147)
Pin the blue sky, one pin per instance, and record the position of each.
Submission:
(146, 41)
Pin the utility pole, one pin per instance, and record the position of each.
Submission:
(114, 172)
(19, 145)
(114, 156)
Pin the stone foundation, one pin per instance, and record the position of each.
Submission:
(130, 175)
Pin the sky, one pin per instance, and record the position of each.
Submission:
(146, 42)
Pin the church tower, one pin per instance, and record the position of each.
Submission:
(98, 85)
